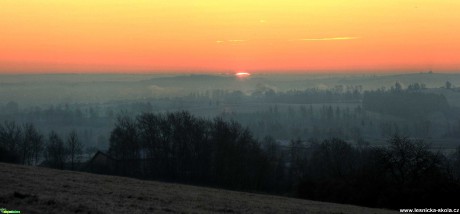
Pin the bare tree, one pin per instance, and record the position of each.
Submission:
(55, 152)
(10, 138)
(32, 145)
(74, 149)
(125, 145)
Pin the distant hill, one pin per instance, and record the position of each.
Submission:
(41, 190)
(55, 89)
(198, 82)
(431, 80)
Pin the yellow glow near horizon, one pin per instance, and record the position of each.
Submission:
(242, 75)
(149, 35)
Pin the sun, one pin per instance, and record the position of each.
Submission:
(242, 75)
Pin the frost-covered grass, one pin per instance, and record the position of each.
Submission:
(42, 190)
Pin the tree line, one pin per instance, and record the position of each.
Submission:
(406, 173)
(182, 148)
(25, 144)
(405, 103)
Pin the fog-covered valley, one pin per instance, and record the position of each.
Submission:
(288, 134)
(285, 106)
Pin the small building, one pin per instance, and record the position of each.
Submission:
(102, 163)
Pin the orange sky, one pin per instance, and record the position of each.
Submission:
(229, 35)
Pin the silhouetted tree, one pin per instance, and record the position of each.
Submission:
(276, 177)
(125, 145)
(55, 152)
(416, 175)
(397, 87)
(32, 145)
(448, 85)
(10, 140)
(74, 148)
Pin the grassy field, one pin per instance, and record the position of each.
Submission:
(41, 190)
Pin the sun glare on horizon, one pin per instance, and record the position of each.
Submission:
(242, 75)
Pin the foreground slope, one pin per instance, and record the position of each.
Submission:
(41, 190)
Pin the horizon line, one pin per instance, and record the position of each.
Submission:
(231, 72)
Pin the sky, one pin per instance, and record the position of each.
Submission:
(46, 36)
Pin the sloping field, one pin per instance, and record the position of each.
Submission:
(41, 190)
